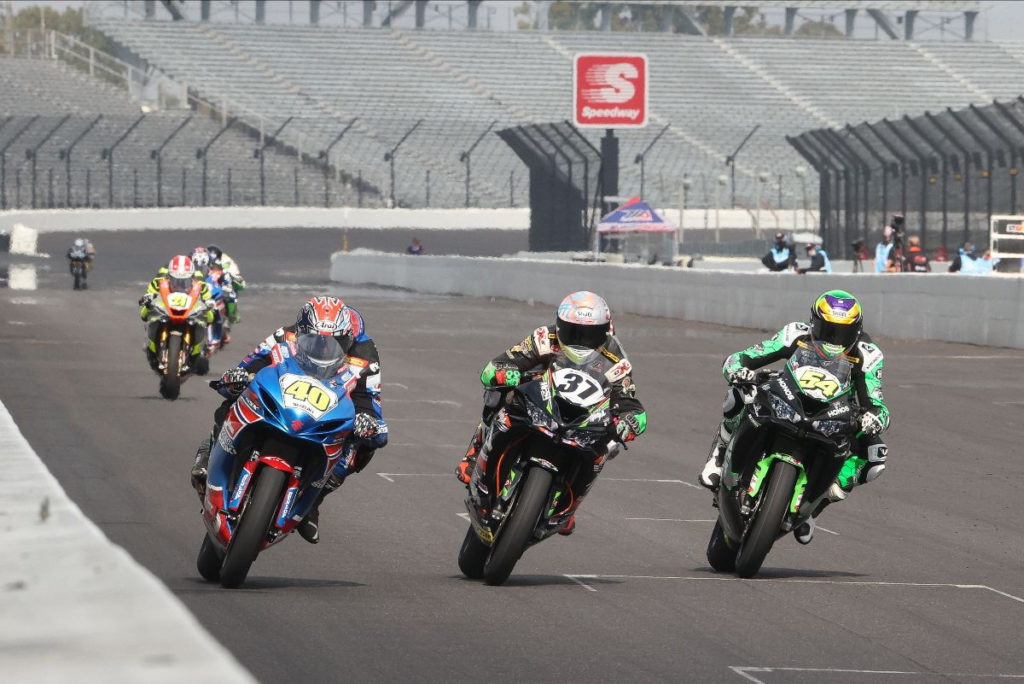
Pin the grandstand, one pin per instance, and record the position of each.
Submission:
(37, 96)
(432, 92)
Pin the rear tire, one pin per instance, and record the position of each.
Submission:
(765, 528)
(511, 541)
(202, 365)
(208, 562)
(722, 555)
(473, 555)
(170, 381)
(78, 280)
(252, 529)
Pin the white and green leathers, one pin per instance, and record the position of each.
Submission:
(867, 360)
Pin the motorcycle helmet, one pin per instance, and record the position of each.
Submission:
(79, 243)
(329, 316)
(180, 271)
(215, 253)
(200, 258)
(319, 355)
(836, 322)
(582, 325)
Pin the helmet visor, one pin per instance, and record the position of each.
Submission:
(576, 335)
(841, 334)
(180, 284)
(319, 355)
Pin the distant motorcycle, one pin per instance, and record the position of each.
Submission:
(804, 421)
(525, 496)
(218, 333)
(280, 441)
(78, 259)
(177, 328)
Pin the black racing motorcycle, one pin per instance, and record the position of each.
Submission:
(78, 260)
(563, 423)
(795, 435)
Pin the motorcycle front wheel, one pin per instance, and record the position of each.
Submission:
(252, 527)
(767, 519)
(170, 381)
(511, 541)
(473, 555)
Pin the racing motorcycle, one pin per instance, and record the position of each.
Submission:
(799, 425)
(176, 329)
(279, 443)
(218, 333)
(525, 494)
(78, 259)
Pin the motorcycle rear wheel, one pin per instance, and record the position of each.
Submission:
(252, 528)
(768, 519)
(511, 542)
(208, 561)
(722, 556)
(473, 555)
(170, 381)
(202, 365)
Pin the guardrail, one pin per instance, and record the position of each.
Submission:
(986, 310)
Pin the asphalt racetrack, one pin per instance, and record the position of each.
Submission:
(916, 578)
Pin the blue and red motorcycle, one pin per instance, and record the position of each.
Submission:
(279, 443)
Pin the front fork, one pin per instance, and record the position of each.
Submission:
(757, 482)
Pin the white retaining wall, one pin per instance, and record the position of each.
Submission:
(195, 218)
(984, 310)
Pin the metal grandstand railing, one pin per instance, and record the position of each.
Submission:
(565, 173)
(946, 172)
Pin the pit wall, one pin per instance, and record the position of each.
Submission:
(205, 218)
(985, 310)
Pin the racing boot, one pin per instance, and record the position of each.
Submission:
(570, 526)
(805, 533)
(151, 357)
(198, 472)
(309, 528)
(464, 470)
(711, 475)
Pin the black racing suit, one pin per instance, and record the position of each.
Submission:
(535, 352)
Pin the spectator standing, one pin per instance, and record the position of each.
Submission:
(415, 248)
(819, 260)
(917, 260)
(782, 256)
(882, 250)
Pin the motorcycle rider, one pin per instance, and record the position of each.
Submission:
(324, 316)
(582, 331)
(179, 274)
(82, 250)
(835, 331)
(230, 267)
(201, 260)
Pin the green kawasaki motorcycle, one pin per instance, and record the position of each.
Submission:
(794, 436)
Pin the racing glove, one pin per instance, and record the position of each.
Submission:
(503, 375)
(146, 299)
(870, 423)
(366, 426)
(740, 375)
(628, 426)
(235, 380)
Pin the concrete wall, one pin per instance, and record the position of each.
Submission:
(984, 310)
(184, 218)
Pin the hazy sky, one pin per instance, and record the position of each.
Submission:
(1003, 20)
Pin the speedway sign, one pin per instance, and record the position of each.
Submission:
(609, 90)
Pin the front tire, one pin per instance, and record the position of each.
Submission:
(208, 562)
(252, 528)
(473, 555)
(511, 542)
(768, 519)
(170, 381)
(722, 550)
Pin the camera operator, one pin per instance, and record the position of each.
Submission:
(782, 255)
(819, 260)
(889, 252)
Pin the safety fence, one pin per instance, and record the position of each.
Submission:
(946, 172)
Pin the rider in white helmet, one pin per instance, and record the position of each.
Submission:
(582, 330)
